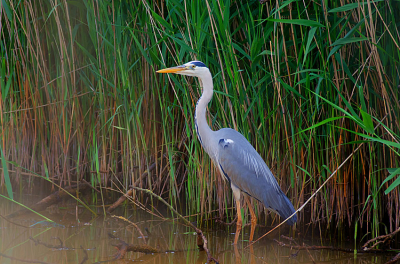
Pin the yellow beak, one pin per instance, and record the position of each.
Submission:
(173, 69)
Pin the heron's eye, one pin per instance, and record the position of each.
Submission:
(193, 66)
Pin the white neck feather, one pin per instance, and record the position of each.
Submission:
(204, 132)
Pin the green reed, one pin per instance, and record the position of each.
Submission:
(305, 84)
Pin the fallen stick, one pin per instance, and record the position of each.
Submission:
(130, 191)
(201, 243)
(124, 247)
(379, 240)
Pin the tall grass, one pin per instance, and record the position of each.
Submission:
(306, 83)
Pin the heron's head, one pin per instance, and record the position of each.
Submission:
(193, 68)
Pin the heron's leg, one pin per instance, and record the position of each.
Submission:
(236, 195)
(239, 221)
(253, 218)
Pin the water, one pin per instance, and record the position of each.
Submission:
(89, 237)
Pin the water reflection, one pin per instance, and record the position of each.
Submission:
(29, 238)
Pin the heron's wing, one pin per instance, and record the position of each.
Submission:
(244, 167)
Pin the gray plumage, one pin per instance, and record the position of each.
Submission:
(244, 168)
(237, 160)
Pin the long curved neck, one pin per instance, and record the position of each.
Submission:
(203, 130)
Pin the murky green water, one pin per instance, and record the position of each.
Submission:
(75, 240)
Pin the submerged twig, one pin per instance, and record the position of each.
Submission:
(11, 222)
(124, 247)
(135, 225)
(199, 233)
(294, 255)
(218, 220)
(59, 246)
(86, 256)
(379, 240)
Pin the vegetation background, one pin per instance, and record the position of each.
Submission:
(313, 85)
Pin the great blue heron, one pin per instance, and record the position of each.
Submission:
(234, 156)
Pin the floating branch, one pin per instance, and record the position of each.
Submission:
(124, 247)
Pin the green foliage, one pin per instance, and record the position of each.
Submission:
(305, 84)
(6, 175)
